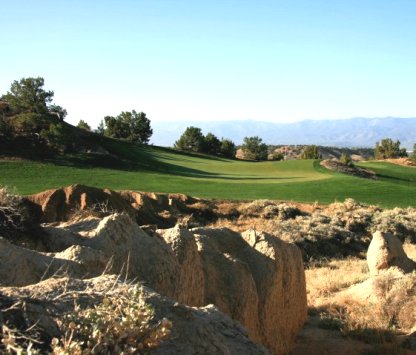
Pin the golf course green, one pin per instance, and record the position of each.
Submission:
(148, 168)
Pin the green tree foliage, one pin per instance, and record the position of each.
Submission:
(254, 148)
(28, 95)
(386, 149)
(194, 140)
(228, 148)
(191, 140)
(58, 136)
(84, 125)
(58, 111)
(311, 152)
(100, 128)
(212, 145)
(134, 126)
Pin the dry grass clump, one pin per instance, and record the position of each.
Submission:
(391, 311)
(335, 275)
(14, 342)
(121, 324)
(12, 213)
(373, 310)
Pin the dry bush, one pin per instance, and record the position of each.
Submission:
(121, 324)
(99, 210)
(399, 221)
(14, 342)
(12, 213)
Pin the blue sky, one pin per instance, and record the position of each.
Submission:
(214, 60)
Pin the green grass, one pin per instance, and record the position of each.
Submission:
(164, 170)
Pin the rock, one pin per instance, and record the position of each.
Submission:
(255, 278)
(195, 330)
(191, 275)
(60, 204)
(20, 266)
(146, 208)
(126, 249)
(264, 286)
(385, 251)
(336, 165)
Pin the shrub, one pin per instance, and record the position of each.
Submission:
(386, 149)
(311, 152)
(228, 148)
(254, 148)
(13, 215)
(120, 324)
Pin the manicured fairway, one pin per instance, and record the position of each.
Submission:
(163, 170)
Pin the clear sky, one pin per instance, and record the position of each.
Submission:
(281, 60)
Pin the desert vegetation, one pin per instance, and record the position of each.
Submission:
(348, 307)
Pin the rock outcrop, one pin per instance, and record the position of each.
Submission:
(202, 330)
(386, 251)
(144, 207)
(254, 278)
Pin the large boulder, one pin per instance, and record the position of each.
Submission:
(385, 251)
(255, 278)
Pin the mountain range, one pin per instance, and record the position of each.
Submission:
(353, 132)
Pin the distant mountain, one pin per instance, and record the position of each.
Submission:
(353, 132)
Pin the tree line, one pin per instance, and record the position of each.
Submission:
(28, 109)
(193, 140)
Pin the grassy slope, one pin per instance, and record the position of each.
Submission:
(163, 170)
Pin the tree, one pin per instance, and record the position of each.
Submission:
(386, 149)
(83, 125)
(138, 126)
(311, 152)
(58, 111)
(28, 95)
(192, 139)
(134, 126)
(212, 145)
(228, 148)
(254, 148)
(100, 128)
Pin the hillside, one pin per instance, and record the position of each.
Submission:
(354, 132)
(122, 165)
